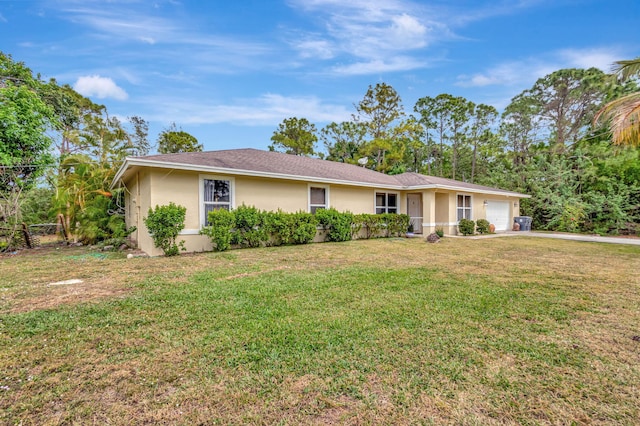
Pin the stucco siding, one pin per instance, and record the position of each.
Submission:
(442, 208)
(144, 202)
(130, 207)
(354, 200)
(272, 194)
(477, 207)
(181, 188)
(147, 187)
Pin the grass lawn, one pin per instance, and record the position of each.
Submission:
(466, 332)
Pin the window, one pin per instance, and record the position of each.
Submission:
(216, 195)
(386, 203)
(317, 198)
(464, 207)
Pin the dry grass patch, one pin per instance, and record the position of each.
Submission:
(499, 331)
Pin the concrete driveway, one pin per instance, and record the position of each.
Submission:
(574, 237)
(590, 238)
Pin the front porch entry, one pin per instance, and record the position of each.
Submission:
(414, 210)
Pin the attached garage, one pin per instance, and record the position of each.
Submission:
(498, 213)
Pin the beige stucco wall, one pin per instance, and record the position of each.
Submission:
(148, 187)
(144, 202)
(162, 186)
(180, 187)
(271, 194)
(130, 208)
(353, 199)
(479, 210)
(440, 208)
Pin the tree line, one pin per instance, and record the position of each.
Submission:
(555, 141)
(59, 151)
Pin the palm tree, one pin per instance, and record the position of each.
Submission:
(624, 113)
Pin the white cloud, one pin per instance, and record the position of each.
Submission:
(464, 15)
(378, 34)
(124, 73)
(268, 109)
(409, 30)
(148, 40)
(100, 87)
(528, 70)
(383, 33)
(130, 24)
(586, 58)
(127, 25)
(508, 74)
(375, 66)
(320, 49)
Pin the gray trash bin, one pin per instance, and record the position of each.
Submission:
(524, 222)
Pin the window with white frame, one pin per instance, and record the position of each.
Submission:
(386, 202)
(216, 196)
(317, 198)
(464, 207)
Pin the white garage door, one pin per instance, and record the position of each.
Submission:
(498, 214)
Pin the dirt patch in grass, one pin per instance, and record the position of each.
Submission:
(86, 291)
(31, 276)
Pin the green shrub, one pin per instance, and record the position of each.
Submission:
(337, 224)
(572, 217)
(440, 231)
(99, 220)
(466, 226)
(115, 242)
(220, 224)
(372, 223)
(278, 227)
(290, 228)
(482, 226)
(381, 225)
(250, 227)
(305, 227)
(164, 224)
(356, 227)
(36, 206)
(396, 224)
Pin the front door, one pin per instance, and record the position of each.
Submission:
(414, 210)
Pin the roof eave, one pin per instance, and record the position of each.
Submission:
(129, 162)
(132, 161)
(472, 190)
(121, 171)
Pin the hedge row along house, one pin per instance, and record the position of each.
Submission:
(204, 181)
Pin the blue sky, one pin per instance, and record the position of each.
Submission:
(229, 72)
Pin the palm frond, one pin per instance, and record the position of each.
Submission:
(623, 116)
(627, 68)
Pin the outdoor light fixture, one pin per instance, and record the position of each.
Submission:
(486, 203)
(515, 204)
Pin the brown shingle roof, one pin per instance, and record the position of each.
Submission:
(417, 180)
(255, 160)
(276, 164)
